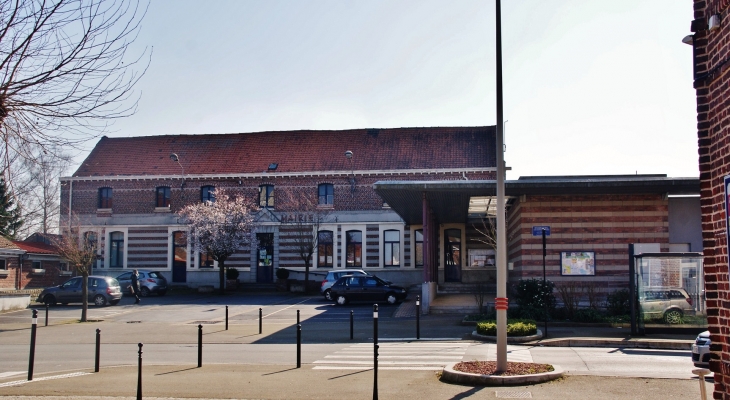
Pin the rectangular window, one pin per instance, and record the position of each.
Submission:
(391, 248)
(326, 194)
(116, 250)
(163, 197)
(207, 193)
(325, 245)
(3, 265)
(105, 198)
(266, 196)
(206, 260)
(37, 265)
(63, 266)
(354, 248)
(419, 248)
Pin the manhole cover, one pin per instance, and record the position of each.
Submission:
(514, 395)
(204, 322)
(134, 322)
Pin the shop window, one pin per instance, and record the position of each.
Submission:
(116, 250)
(418, 250)
(105, 198)
(391, 248)
(266, 196)
(326, 193)
(162, 199)
(354, 248)
(207, 194)
(325, 246)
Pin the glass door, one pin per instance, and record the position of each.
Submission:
(452, 255)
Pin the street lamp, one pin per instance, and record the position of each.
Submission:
(348, 155)
(501, 301)
(176, 159)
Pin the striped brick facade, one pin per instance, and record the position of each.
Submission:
(606, 224)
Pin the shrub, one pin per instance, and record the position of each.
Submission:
(532, 297)
(231, 273)
(588, 315)
(282, 273)
(515, 327)
(618, 303)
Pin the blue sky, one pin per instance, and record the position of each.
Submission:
(590, 87)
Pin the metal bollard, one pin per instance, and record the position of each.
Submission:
(261, 318)
(375, 352)
(352, 325)
(139, 373)
(418, 317)
(701, 372)
(31, 359)
(299, 345)
(98, 350)
(298, 317)
(200, 346)
(226, 317)
(46, 314)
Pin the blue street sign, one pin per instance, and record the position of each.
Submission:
(537, 230)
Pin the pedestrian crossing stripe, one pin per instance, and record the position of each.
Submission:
(415, 356)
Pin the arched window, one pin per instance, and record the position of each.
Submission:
(391, 248)
(354, 248)
(325, 245)
(116, 250)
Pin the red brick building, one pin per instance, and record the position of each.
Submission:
(32, 263)
(711, 43)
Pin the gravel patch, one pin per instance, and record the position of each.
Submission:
(513, 368)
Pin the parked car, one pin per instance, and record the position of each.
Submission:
(669, 304)
(701, 350)
(102, 290)
(366, 288)
(149, 282)
(333, 276)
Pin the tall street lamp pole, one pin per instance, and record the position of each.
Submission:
(501, 302)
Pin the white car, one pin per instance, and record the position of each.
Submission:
(701, 350)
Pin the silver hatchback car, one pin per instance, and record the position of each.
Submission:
(149, 282)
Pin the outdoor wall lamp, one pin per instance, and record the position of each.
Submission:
(348, 155)
(176, 159)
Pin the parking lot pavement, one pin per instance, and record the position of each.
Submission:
(225, 381)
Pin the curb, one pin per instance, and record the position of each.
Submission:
(453, 376)
(619, 343)
(510, 339)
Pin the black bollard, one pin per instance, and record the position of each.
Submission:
(46, 314)
(226, 317)
(299, 345)
(298, 317)
(31, 359)
(139, 373)
(418, 317)
(352, 325)
(200, 346)
(98, 350)
(261, 325)
(375, 352)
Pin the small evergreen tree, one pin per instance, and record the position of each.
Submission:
(10, 219)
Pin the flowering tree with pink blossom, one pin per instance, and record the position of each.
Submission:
(221, 227)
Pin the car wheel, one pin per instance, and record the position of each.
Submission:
(341, 300)
(161, 292)
(99, 300)
(390, 298)
(328, 295)
(144, 292)
(673, 317)
(114, 302)
(49, 300)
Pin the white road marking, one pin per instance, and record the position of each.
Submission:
(45, 378)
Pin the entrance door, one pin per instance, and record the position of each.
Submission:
(265, 270)
(179, 257)
(452, 255)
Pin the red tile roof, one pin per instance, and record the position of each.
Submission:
(294, 151)
(36, 247)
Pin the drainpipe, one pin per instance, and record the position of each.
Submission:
(70, 203)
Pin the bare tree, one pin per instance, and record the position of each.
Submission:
(65, 72)
(80, 255)
(305, 217)
(221, 227)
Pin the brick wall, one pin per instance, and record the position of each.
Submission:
(606, 224)
(712, 84)
(26, 279)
